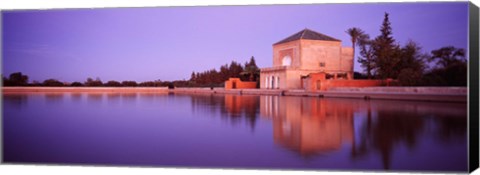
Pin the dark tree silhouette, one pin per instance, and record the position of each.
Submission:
(76, 83)
(147, 84)
(251, 70)
(235, 69)
(192, 76)
(366, 58)
(52, 82)
(16, 79)
(113, 83)
(447, 56)
(450, 70)
(91, 82)
(411, 65)
(386, 52)
(129, 83)
(214, 78)
(35, 83)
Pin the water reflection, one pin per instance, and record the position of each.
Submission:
(389, 129)
(450, 128)
(312, 126)
(129, 96)
(94, 97)
(308, 125)
(113, 96)
(184, 130)
(76, 97)
(15, 100)
(234, 107)
(246, 106)
(54, 98)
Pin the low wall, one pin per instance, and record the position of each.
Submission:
(194, 90)
(434, 94)
(443, 94)
(418, 90)
(327, 84)
(318, 81)
(85, 89)
(236, 83)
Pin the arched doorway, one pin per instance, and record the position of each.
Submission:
(273, 82)
(278, 83)
(266, 82)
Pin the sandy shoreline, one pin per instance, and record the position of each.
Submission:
(437, 94)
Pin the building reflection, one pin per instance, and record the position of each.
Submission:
(314, 124)
(244, 105)
(309, 126)
(232, 107)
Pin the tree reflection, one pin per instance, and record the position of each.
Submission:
(311, 126)
(389, 124)
(15, 100)
(392, 128)
(450, 128)
(54, 98)
(76, 96)
(95, 97)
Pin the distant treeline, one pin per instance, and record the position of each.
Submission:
(382, 57)
(19, 79)
(209, 78)
(214, 78)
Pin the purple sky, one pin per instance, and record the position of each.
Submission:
(144, 44)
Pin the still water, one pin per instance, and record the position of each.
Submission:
(272, 132)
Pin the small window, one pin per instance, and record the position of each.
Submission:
(329, 76)
(342, 76)
(322, 64)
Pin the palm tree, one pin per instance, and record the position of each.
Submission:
(355, 35)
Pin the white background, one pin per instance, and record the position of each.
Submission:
(83, 170)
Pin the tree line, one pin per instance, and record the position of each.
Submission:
(213, 78)
(382, 57)
(20, 79)
(209, 78)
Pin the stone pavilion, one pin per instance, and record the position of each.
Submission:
(305, 54)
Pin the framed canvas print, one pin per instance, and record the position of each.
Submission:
(349, 87)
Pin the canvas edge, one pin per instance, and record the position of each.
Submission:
(473, 87)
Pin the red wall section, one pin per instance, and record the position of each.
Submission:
(231, 82)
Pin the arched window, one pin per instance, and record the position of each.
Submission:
(287, 60)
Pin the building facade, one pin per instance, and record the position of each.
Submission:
(303, 54)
